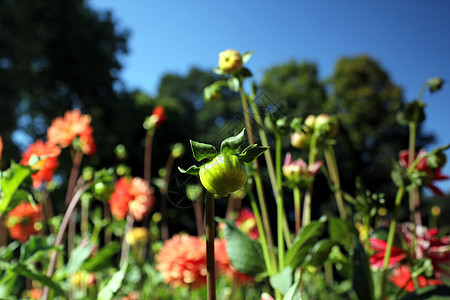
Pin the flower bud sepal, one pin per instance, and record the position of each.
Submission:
(224, 172)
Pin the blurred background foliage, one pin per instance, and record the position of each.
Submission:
(60, 54)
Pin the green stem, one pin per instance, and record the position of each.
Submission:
(262, 234)
(270, 165)
(312, 157)
(125, 246)
(257, 176)
(210, 259)
(390, 241)
(334, 174)
(280, 206)
(58, 241)
(297, 208)
(148, 155)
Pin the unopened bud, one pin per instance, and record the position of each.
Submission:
(230, 61)
(177, 150)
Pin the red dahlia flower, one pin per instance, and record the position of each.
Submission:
(247, 223)
(133, 195)
(22, 219)
(379, 248)
(224, 265)
(63, 131)
(401, 277)
(42, 157)
(182, 261)
(422, 166)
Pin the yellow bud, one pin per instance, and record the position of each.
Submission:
(436, 211)
(230, 61)
(138, 235)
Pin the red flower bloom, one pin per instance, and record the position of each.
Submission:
(21, 221)
(182, 261)
(47, 155)
(132, 195)
(430, 246)
(156, 118)
(401, 277)
(433, 175)
(379, 248)
(63, 131)
(224, 265)
(247, 223)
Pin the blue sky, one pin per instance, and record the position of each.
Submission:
(410, 39)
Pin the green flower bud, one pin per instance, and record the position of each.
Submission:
(223, 175)
(310, 121)
(103, 190)
(177, 150)
(435, 84)
(88, 173)
(300, 140)
(120, 151)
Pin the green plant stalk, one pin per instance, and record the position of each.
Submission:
(262, 237)
(390, 241)
(58, 241)
(148, 155)
(334, 174)
(307, 204)
(84, 218)
(297, 208)
(164, 225)
(258, 182)
(125, 246)
(210, 259)
(270, 165)
(280, 204)
(76, 162)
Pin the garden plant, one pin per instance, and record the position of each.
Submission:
(114, 239)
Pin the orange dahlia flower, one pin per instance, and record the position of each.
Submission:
(182, 261)
(42, 157)
(224, 265)
(63, 131)
(155, 119)
(22, 219)
(133, 195)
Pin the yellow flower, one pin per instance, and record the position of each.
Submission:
(138, 235)
(230, 61)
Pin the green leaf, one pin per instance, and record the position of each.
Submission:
(246, 56)
(33, 274)
(192, 170)
(113, 285)
(244, 72)
(303, 243)
(294, 292)
(342, 232)
(233, 84)
(252, 152)
(232, 145)
(7, 284)
(319, 253)
(203, 151)
(102, 258)
(245, 254)
(7, 252)
(362, 276)
(33, 246)
(77, 257)
(10, 182)
(282, 281)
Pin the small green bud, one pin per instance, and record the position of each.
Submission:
(435, 84)
(223, 175)
(103, 190)
(120, 151)
(178, 150)
(88, 173)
